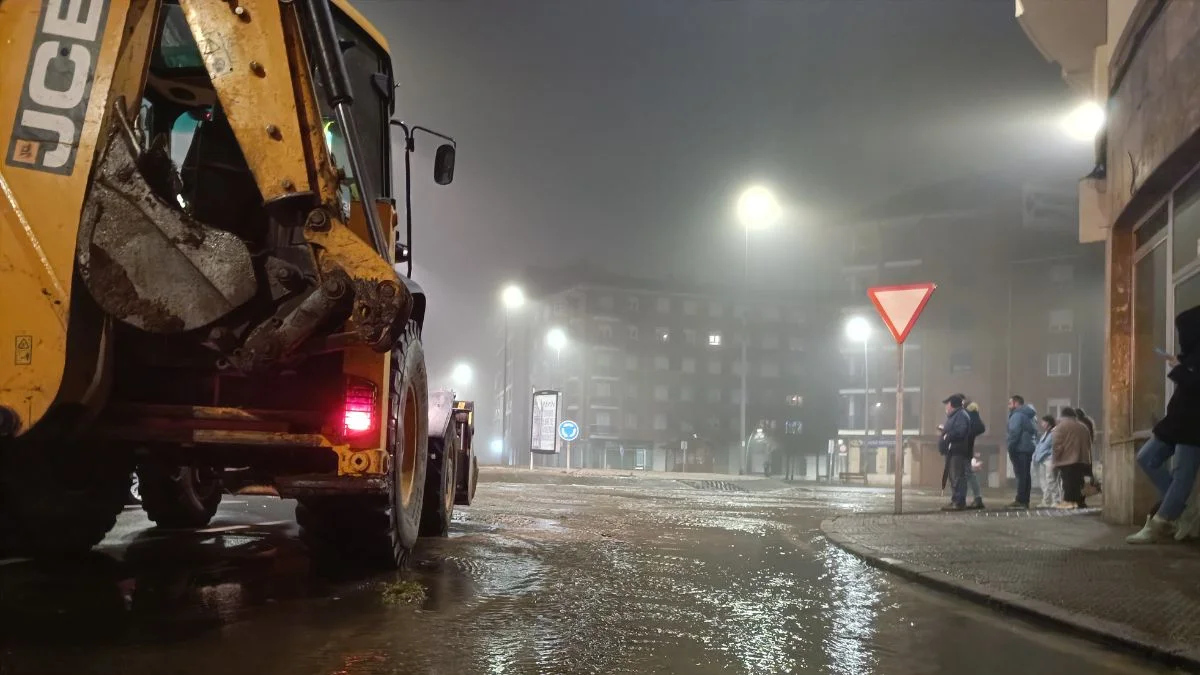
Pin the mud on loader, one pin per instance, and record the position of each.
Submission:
(199, 256)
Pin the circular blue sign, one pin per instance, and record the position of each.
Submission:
(568, 430)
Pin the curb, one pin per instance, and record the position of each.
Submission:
(1098, 630)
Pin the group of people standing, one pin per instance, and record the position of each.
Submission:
(1061, 448)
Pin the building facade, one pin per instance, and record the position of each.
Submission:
(652, 374)
(1016, 311)
(1142, 201)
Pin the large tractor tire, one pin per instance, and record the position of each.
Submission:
(179, 496)
(381, 530)
(438, 510)
(58, 503)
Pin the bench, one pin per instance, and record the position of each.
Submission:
(847, 476)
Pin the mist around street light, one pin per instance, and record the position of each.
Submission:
(512, 296)
(858, 329)
(757, 207)
(462, 375)
(1084, 122)
(556, 339)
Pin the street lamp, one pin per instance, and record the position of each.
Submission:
(462, 375)
(757, 209)
(512, 297)
(858, 329)
(1084, 122)
(556, 339)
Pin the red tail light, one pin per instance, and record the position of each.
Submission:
(358, 410)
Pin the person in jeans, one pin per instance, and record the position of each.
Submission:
(1021, 436)
(956, 433)
(1071, 453)
(1177, 435)
(1051, 489)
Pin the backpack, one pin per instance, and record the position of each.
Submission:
(977, 426)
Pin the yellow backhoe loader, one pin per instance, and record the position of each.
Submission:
(202, 272)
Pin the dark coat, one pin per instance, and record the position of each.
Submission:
(956, 434)
(1182, 423)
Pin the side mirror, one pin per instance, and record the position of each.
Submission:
(443, 165)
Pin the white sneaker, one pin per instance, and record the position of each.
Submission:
(1156, 531)
(1188, 525)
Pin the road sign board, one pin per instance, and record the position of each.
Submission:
(899, 306)
(568, 430)
(545, 420)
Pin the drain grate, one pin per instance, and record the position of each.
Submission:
(721, 485)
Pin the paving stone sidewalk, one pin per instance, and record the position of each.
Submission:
(1070, 568)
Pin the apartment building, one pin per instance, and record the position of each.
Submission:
(1016, 311)
(1138, 60)
(652, 373)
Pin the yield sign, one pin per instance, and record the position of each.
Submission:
(900, 306)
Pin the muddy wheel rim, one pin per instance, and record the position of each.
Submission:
(408, 439)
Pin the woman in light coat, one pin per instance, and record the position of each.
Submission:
(1042, 454)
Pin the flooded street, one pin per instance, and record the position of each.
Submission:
(634, 576)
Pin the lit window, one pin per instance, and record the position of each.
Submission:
(664, 335)
(793, 427)
(714, 339)
(795, 400)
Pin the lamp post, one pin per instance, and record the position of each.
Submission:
(757, 208)
(858, 329)
(556, 339)
(512, 297)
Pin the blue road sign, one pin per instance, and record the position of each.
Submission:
(568, 430)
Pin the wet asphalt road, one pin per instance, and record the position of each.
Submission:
(632, 576)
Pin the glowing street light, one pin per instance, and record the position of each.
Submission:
(858, 329)
(1084, 122)
(513, 297)
(757, 208)
(556, 339)
(462, 375)
(497, 446)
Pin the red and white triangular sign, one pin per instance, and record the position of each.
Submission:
(900, 306)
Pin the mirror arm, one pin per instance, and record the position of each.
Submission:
(409, 146)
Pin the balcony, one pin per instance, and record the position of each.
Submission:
(1067, 32)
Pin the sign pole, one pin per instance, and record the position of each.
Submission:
(568, 455)
(899, 463)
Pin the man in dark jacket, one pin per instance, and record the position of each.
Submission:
(1178, 435)
(955, 446)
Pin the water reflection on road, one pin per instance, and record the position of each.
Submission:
(534, 579)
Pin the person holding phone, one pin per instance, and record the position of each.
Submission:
(1176, 435)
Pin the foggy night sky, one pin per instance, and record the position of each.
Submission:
(621, 131)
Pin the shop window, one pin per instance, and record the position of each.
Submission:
(1185, 235)
(1149, 333)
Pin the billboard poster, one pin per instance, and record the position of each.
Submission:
(544, 434)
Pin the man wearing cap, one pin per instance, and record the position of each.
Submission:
(955, 445)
